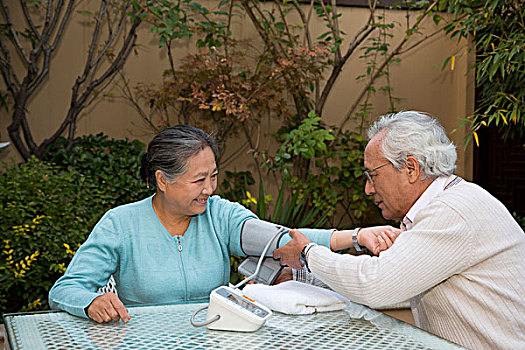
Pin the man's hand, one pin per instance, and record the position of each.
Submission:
(290, 253)
(108, 307)
(378, 238)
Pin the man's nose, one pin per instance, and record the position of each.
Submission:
(369, 188)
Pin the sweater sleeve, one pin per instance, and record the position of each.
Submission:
(228, 218)
(437, 247)
(89, 269)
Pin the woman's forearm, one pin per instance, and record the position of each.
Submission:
(341, 240)
(376, 238)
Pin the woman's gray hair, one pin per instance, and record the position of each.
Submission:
(170, 150)
(419, 135)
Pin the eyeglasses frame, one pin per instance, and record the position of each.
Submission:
(368, 172)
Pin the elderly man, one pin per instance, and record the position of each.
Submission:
(461, 259)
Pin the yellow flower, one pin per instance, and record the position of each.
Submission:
(250, 199)
(34, 304)
(68, 249)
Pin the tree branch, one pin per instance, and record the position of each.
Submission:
(35, 81)
(47, 32)
(7, 70)
(44, 39)
(92, 47)
(336, 70)
(336, 29)
(308, 38)
(29, 21)
(79, 103)
(299, 100)
(49, 22)
(128, 96)
(252, 146)
(113, 35)
(228, 26)
(379, 70)
(28, 136)
(425, 38)
(306, 22)
(359, 37)
(288, 34)
(14, 134)
(61, 28)
(12, 31)
(279, 46)
(333, 30)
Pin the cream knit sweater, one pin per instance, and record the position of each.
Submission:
(462, 266)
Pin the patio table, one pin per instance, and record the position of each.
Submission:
(168, 327)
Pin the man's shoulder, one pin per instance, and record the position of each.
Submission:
(470, 201)
(466, 193)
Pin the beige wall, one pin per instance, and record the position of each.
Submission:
(446, 94)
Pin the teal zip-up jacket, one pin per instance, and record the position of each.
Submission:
(148, 264)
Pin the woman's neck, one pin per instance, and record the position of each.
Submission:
(175, 224)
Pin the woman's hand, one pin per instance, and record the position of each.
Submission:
(108, 307)
(377, 238)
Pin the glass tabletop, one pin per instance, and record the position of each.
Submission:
(168, 327)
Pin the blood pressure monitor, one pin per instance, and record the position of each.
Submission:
(236, 311)
(229, 309)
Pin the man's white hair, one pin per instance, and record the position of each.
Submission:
(419, 135)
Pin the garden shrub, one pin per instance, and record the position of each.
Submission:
(334, 175)
(520, 220)
(113, 164)
(43, 208)
(48, 210)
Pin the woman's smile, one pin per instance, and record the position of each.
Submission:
(202, 201)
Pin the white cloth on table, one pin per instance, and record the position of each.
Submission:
(296, 298)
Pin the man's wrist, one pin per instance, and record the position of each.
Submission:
(355, 236)
(304, 253)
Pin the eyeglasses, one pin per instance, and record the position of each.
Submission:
(368, 172)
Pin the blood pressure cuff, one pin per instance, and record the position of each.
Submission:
(270, 269)
(255, 235)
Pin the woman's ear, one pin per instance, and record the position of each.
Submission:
(161, 181)
(413, 170)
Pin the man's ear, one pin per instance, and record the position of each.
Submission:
(161, 181)
(413, 170)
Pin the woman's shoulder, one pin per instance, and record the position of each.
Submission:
(125, 219)
(217, 200)
(137, 205)
(219, 205)
(132, 209)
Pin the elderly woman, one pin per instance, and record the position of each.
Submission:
(175, 246)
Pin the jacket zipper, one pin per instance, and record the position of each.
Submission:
(180, 245)
(182, 268)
